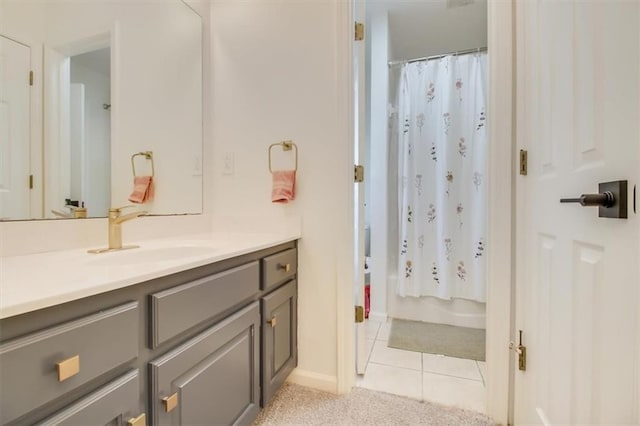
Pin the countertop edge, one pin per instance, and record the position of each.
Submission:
(21, 304)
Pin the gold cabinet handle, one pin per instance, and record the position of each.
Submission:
(68, 368)
(272, 322)
(141, 420)
(286, 267)
(170, 402)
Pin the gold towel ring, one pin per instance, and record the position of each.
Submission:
(146, 154)
(286, 146)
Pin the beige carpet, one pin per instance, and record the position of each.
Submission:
(297, 405)
(441, 339)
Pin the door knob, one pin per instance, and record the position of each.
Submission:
(606, 199)
(611, 200)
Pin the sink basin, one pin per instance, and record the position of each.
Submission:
(150, 255)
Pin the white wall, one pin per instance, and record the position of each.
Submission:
(275, 73)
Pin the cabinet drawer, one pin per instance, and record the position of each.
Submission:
(212, 379)
(177, 309)
(45, 365)
(277, 268)
(120, 399)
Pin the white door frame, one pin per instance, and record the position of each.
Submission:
(501, 224)
(500, 247)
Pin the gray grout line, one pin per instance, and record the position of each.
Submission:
(394, 366)
(422, 376)
(455, 377)
(481, 375)
(371, 351)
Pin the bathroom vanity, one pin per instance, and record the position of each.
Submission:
(158, 341)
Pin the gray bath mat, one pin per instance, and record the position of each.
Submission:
(459, 342)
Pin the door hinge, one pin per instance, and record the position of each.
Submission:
(359, 31)
(30, 78)
(521, 350)
(358, 174)
(359, 314)
(30, 181)
(523, 162)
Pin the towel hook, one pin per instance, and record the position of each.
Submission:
(146, 154)
(286, 146)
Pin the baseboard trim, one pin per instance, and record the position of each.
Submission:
(313, 380)
(378, 316)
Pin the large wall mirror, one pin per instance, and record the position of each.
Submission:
(95, 95)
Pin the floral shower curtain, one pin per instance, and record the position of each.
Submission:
(442, 168)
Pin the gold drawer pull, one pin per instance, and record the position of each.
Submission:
(272, 322)
(286, 267)
(141, 420)
(68, 368)
(170, 402)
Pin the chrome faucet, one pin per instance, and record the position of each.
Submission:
(115, 231)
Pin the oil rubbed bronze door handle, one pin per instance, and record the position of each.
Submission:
(606, 199)
(611, 200)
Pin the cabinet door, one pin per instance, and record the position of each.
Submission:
(279, 338)
(113, 404)
(40, 367)
(212, 379)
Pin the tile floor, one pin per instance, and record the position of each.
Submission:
(438, 378)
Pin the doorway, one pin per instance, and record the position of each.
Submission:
(403, 296)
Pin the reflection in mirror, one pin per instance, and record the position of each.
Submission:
(110, 78)
(14, 129)
(89, 130)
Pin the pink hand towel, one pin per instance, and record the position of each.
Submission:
(143, 189)
(284, 182)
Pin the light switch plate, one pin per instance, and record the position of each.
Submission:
(227, 163)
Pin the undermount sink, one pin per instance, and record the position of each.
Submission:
(150, 255)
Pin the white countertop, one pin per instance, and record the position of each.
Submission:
(37, 281)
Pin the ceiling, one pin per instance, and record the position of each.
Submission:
(419, 28)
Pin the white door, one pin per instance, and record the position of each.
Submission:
(14, 129)
(578, 98)
(359, 150)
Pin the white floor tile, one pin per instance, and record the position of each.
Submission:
(453, 391)
(398, 381)
(371, 329)
(458, 367)
(383, 333)
(382, 354)
(483, 369)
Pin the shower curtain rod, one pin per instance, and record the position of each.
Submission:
(430, 58)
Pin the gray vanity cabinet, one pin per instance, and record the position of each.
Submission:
(53, 362)
(175, 310)
(204, 346)
(212, 379)
(114, 404)
(279, 338)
